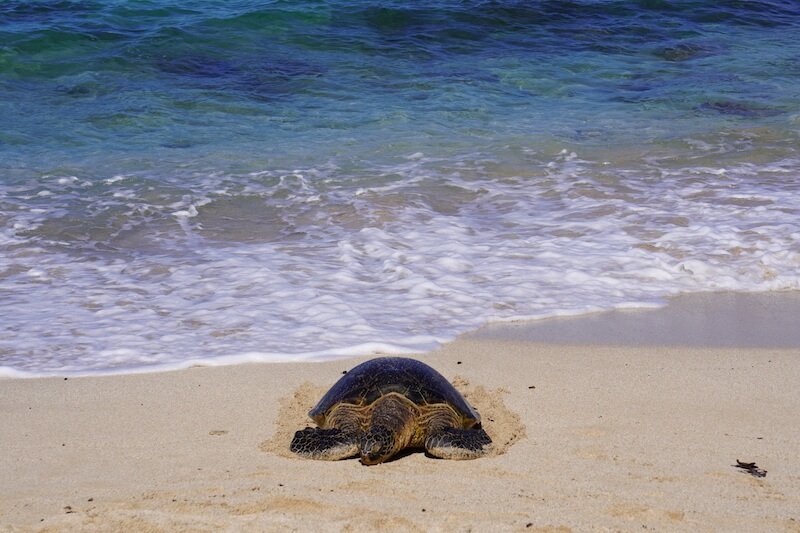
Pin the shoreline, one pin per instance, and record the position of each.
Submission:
(702, 319)
(589, 436)
(726, 318)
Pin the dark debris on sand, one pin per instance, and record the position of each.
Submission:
(750, 468)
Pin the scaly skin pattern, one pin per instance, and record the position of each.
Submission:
(348, 417)
(392, 427)
(379, 431)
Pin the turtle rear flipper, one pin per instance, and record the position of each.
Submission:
(452, 443)
(325, 444)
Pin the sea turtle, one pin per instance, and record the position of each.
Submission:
(385, 405)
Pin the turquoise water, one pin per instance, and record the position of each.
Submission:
(227, 181)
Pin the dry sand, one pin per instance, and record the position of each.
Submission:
(590, 437)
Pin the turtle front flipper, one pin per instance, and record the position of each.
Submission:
(325, 444)
(452, 443)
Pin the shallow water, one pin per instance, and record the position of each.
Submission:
(232, 181)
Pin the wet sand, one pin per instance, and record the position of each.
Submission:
(591, 434)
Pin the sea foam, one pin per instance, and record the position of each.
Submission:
(397, 268)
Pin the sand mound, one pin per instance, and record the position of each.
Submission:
(293, 416)
(502, 424)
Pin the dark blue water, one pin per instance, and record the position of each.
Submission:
(271, 180)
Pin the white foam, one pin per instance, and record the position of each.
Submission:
(398, 268)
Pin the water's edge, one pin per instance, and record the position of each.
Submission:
(705, 319)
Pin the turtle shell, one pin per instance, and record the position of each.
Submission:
(372, 379)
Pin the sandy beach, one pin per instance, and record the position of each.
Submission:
(590, 435)
(583, 214)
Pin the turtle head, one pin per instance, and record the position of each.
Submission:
(377, 445)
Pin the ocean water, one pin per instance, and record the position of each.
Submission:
(225, 181)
